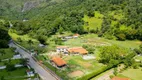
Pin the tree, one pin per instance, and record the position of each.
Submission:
(4, 37)
(109, 53)
(10, 67)
(24, 61)
(2, 78)
(42, 39)
(30, 42)
(121, 37)
(115, 71)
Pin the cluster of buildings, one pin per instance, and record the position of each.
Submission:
(74, 50)
(59, 62)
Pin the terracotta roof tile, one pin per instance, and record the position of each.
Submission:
(58, 61)
(118, 78)
(78, 50)
(76, 35)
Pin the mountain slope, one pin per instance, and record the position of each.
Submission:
(121, 18)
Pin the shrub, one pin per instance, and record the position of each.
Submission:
(121, 37)
(10, 67)
(111, 76)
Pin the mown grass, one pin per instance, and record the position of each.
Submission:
(93, 39)
(78, 63)
(126, 44)
(134, 74)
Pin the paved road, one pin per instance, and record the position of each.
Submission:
(41, 71)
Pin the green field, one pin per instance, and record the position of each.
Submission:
(93, 39)
(77, 62)
(14, 36)
(134, 74)
(94, 22)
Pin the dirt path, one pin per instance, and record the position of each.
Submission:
(106, 76)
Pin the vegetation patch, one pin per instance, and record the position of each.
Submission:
(134, 74)
(75, 74)
(93, 23)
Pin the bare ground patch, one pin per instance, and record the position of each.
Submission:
(75, 74)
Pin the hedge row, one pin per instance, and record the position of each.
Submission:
(97, 72)
(60, 73)
(105, 68)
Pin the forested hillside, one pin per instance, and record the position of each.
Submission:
(120, 19)
(4, 37)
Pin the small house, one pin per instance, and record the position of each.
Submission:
(63, 49)
(76, 35)
(58, 61)
(30, 73)
(118, 78)
(78, 50)
(17, 56)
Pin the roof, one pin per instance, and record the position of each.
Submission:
(76, 35)
(78, 50)
(118, 78)
(62, 47)
(58, 61)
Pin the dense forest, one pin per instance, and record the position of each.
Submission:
(53, 16)
(4, 37)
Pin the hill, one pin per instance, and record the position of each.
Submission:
(119, 19)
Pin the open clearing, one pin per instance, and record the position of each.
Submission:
(93, 23)
(93, 39)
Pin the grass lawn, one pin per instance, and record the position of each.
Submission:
(126, 44)
(21, 72)
(134, 74)
(78, 63)
(14, 36)
(93, 39)
(94, 22)
(7, 53)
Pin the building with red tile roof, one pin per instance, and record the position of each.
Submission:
(77, 50)
(118, 78)
(76, 35)
(58, 61)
